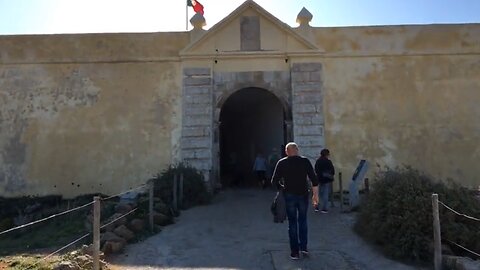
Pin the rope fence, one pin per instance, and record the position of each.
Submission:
(96, 222)
(117, 219)
(149, 186)
(437, 232)
(45, 219)
(457, 213)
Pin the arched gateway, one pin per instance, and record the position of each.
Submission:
(241, 113)
(252, 120)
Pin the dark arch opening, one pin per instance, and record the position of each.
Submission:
(252, 121)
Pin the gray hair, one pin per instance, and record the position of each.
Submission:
(290, 145)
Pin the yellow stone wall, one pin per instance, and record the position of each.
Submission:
(80, 123)
(404, 95)
(102, 112)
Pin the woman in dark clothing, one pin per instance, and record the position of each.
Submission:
(325, 173)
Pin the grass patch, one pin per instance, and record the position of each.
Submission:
(26, 262)
(51, 234)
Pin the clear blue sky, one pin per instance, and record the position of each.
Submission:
(87, 16)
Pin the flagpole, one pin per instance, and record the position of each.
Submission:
(186, 17)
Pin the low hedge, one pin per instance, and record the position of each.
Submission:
(195, 191)
(397, 215)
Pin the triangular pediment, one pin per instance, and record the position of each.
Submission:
(249, 28)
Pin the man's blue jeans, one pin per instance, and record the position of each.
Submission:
(324, 194)
(297, 206)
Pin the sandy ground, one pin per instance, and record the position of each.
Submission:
(237, 232)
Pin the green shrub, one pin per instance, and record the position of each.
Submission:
(397, 215)
(194, 189)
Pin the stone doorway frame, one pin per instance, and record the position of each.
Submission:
(299, 89)
(225, 84)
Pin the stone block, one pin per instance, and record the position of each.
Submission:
(308, 67)
(300, 77)
(137, 225)
(197, 109)
(307, 98)
(196, 142)
(124, 232)
(200, 164)
(197, 99)
(318, 119)
(196, 71)
(197, 154)
(195, 81)
(197, 120)
(244, 77)
(309, 141)
(198, 131)
(196, 90)
(315, 76)
(299, 87)
(306, 108)
(309, 130)
(302, 120)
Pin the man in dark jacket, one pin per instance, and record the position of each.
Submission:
(293, 170)
(325, 173)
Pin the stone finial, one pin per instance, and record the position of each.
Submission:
(198, 21)
(304, 17)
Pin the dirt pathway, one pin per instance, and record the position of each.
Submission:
(237, 232)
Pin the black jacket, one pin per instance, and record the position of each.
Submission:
(293, 171)
(324, 170)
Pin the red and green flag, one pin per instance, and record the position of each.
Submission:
(197, 7)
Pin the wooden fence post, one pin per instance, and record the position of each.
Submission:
(150, 203)
(180, 192)
(96, 233)
(175, 192)
(436, 234)
(340, 184)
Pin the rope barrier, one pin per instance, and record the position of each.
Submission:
(464, 248)
(125, 192)
(120, 217)
(57, 251)
(460, 214)
(45, 219)
(64, 247)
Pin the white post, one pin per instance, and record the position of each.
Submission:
(437, 238)
(96, 233)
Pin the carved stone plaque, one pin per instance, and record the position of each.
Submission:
(250, 33)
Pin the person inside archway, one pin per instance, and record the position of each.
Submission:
(273, 158)
(293, 170)
(260, 169)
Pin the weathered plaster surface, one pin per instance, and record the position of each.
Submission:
(411, 39)
(109, 47)
(82, 128)
(420, 111)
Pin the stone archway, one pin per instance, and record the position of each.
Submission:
(299, 90)
(225, 84)
(251, 122)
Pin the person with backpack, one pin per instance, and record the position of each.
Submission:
(325, 172)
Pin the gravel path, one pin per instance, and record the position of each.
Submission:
(237, 232)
